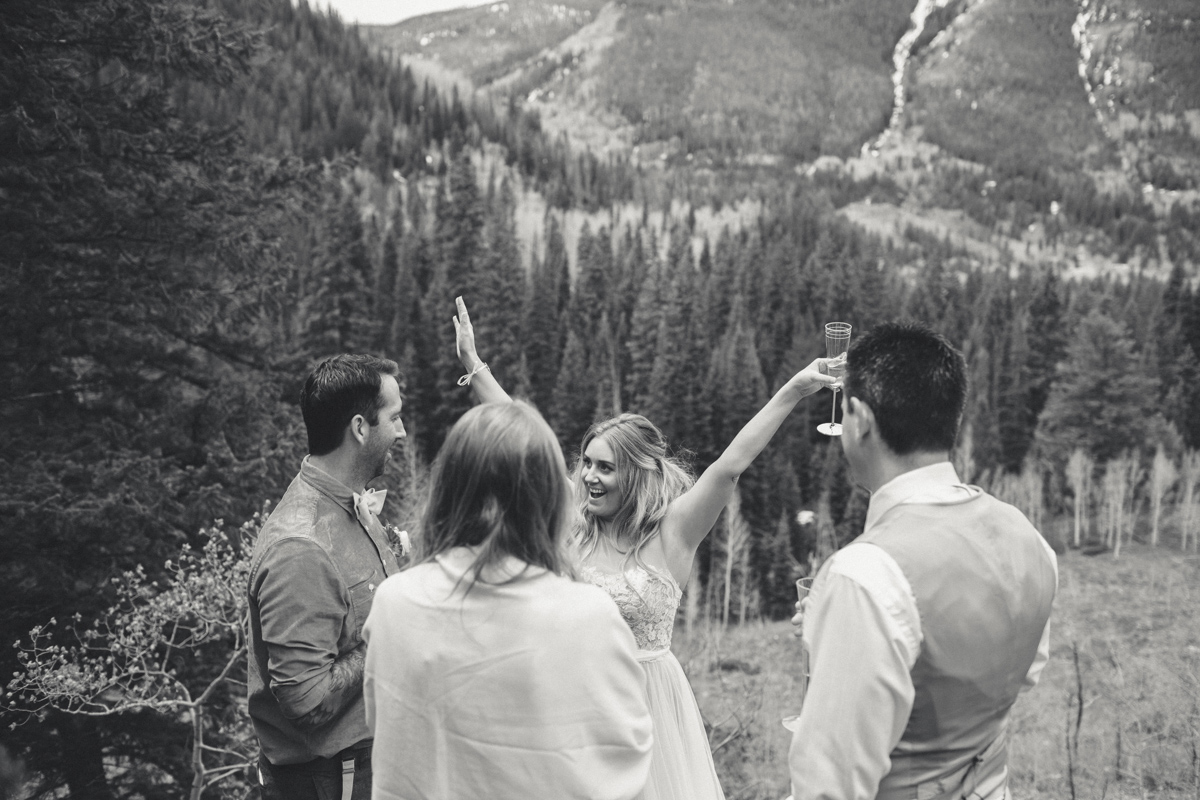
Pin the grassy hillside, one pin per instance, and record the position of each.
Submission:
(1064, 132)
(1002, 88)
(793, 79)
(487, 41)
(724, 80)
(1131, 622)
(1145, 67)
(778, 81)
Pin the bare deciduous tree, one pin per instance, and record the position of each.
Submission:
(1189, 508)
(1023, 490)
(1162, 479)
(737, 545)
(1079, 473)
(130, 659)
(1121, 476)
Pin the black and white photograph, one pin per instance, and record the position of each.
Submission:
(600, 399)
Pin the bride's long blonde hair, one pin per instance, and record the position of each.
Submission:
(648, 479)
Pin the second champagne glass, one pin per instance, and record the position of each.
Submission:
(837, 342)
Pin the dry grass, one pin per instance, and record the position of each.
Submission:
(1134, 625)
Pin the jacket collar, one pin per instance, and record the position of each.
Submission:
(327, 485)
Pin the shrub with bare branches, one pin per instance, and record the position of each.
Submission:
(178, 650)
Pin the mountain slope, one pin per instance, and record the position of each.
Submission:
(1059, 131)
(1002, 88)
(716, 79)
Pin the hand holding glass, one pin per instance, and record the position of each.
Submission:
(837, 342)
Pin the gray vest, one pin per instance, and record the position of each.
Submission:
(984, 585)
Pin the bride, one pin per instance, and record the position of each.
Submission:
(642, 520)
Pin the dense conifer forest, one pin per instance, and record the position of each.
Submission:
(200, 200)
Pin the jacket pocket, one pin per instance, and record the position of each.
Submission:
(361, 595)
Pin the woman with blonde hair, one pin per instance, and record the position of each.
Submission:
(490, 672)
(642, 520)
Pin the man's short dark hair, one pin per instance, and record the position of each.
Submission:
(914, 380)
(337, 390)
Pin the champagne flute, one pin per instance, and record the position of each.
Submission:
(837, 342)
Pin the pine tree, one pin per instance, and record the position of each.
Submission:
(673, 387)
(738, 391)
(575, 394)
(1047, 341)
(387, 305)
(1178, 367)
(544, 321)
(643, 336)
(438, 400)
(405, 300)
(460, 222)
(144, 266)
(498, 303)
(341, 315)
(593, 289)
(1104, 397)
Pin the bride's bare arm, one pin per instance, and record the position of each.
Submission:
(692, 515)
(485, 386)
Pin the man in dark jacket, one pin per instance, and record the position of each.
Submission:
(316, 564)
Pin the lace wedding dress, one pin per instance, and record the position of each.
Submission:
(682, 765)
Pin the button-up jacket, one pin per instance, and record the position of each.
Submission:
(313, 574)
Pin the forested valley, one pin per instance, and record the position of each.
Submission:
(200, 200)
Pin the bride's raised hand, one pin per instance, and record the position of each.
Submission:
(464, 336)
(816, 376)
(479, 376)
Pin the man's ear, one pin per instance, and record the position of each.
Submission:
(864, 417)
(359, 429)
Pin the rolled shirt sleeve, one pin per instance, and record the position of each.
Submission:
(303, 610)
(862, 631)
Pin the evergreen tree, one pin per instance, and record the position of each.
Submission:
(670, 399)
(719, 280)
(341, 313)
(738, 390)
(1178, 367)
(1016, 419)
(1104, 397)
(575, 395)
(938, 301)
(141, 279)
(387, 300)
(604, 364)
(544, 321)
(592, 293)
(630, 269)
(498, 303)
(460, 222)
(401, 258)
(991, 376)
(1046, 341)
(643, 336)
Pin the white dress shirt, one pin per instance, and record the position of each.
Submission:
(863, 633)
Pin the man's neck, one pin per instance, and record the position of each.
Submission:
(890, 466)
(342, 466)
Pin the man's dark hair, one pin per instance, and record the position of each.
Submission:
(337, 390)
(914, 380)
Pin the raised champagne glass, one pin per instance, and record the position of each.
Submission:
(837, 342)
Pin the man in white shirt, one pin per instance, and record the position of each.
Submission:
(922, 632)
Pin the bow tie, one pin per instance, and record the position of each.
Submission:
(370, 501)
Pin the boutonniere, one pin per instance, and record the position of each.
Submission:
(395, 534)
